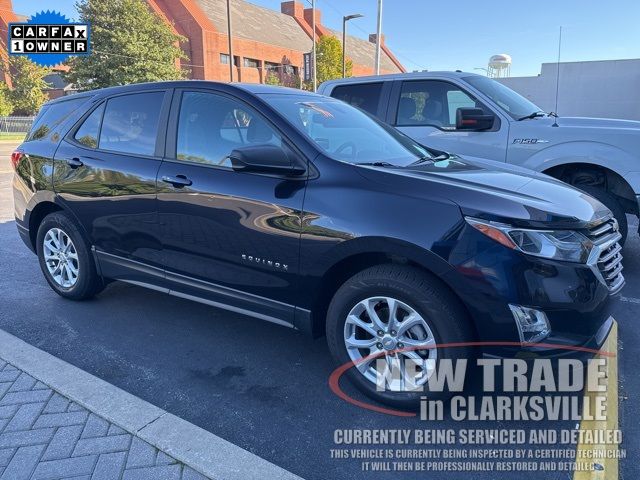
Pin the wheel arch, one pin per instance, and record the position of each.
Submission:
(594, 174)
(48, 203)
(394, 252)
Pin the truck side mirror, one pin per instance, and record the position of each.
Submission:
(473, 119)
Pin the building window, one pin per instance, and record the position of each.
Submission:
(224, 59)
(272, 67)
(251, 63)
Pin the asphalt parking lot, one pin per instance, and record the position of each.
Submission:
(260, 386)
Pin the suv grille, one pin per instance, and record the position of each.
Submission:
(606, 236)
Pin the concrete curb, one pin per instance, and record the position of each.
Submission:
(203, 451)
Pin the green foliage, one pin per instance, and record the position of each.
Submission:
(273, 79)
(6, 106)
(329, 58)
(130, 44)
(28, 83)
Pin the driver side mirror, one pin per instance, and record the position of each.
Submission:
(473, 119)
(264, 158)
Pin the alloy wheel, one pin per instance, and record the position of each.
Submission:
(61, 258)
(386, 328)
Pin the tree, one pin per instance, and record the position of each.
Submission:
(130, 44)
(6, 107)
(329, 53)
(272, 79)
(27, 79)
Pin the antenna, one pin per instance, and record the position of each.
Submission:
(555, 123)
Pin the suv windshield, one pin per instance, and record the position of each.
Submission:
(346, 133)
(511, 102)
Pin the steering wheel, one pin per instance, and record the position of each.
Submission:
(345, 146)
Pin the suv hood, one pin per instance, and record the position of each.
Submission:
(492, 191)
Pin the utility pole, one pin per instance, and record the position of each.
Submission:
(314, 54)
(378, 38)
(229, 32)
(345, 19)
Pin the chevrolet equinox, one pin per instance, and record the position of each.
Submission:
(304, 211)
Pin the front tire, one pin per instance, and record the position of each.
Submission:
(65, 258)
(426, 314)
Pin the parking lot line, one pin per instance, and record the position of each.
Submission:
(193, 446)
(605, 468)
(630, 300)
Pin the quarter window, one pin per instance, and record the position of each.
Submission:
(51, 116)
(365, 96)
(432, 103)
(130, 123)
(89, 131)
(211, 126)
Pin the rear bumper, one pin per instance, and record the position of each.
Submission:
(25, 236)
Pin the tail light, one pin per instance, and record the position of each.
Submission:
(15, 158)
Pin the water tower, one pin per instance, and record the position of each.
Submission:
(499, 66)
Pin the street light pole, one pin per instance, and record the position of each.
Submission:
(378, 38)
(229, 31)
(314, 54)
(345, 19)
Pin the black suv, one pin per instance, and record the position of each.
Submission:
(304, 211)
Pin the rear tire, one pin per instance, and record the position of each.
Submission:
(407, 288)
(65, 258)
(612, 203)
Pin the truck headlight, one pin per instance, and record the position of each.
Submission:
(564, 245)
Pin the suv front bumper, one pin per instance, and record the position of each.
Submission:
(574, 297)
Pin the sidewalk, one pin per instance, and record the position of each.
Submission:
(58, 422)
(44, 435)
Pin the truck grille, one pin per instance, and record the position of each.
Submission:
(606, 236)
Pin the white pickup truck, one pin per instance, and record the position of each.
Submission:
(473, 115)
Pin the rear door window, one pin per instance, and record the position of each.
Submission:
(130, 123)
(365, 96)
(51, 116)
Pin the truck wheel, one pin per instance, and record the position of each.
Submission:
(65, 258)
(390, 311)
(612, 204)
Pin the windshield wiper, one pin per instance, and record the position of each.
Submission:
(539, 113)
(426, 159)
(377, 164)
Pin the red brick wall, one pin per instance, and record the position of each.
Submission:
(6, 15)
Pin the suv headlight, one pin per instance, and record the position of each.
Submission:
(565, 245)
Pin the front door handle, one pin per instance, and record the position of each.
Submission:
(74, 162)
(178, 181)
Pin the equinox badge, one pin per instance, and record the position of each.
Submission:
(264, 261)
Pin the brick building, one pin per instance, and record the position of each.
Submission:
(7, 15)
(264, 40)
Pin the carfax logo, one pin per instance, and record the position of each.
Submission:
(48, 38)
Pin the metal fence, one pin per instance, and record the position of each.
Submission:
(15, 124)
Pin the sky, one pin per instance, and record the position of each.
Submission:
(463, 34)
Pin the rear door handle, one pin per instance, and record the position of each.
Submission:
(178, 181)
(74, 162)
